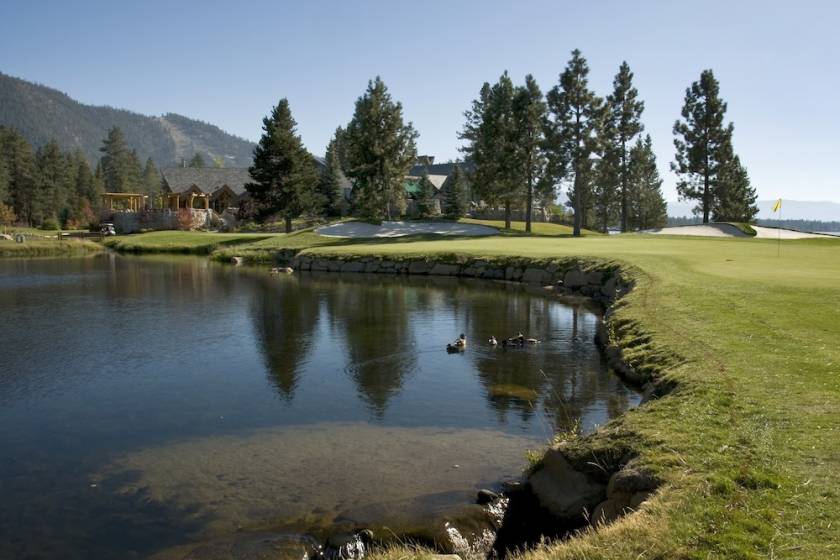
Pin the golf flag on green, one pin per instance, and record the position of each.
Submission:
(777, 206)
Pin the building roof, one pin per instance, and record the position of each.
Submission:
(445, 169)
(207, 179)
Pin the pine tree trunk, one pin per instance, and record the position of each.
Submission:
(624, 201)
(507, 214)
(706, 202)
(288, 224)
(577, 207)
(530, 199)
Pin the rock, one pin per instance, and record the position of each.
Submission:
(562, 490)
(352, 266)
(535, 276)
(609, 288)
(418, 267)
(366, 535)
(334, 266)
(237, 261)
(282, 270)
(372, 266)
(595, 277)
(319, 265)
(574, 279)
(631, 480)
(485, 496)
(442, 269)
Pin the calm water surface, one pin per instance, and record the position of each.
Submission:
(148, 403)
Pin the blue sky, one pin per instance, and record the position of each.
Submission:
(227, 63)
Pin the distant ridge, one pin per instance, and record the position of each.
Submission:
(41, 113)
(791, 210)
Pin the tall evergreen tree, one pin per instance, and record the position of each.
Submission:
(647, 207)
(606, 205)
(735, 197)
(703, 143)
(380, 149)
(623, 124)
(120, 166)
(284, 173)
(5, 176)
(530, 114)
(53, 190)
(572, 133)
(425, 202)
(151, 178)
(20, 160)
(456, 202)
(331, 184)
(197, 161)
(491, 132)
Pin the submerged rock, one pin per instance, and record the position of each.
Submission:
(485, 496)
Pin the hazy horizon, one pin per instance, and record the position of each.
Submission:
(776, 64)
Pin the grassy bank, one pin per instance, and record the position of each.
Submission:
(192, 242)
(48, 248)
(748, 445)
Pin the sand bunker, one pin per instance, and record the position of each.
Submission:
(728, 230)
(400, 229)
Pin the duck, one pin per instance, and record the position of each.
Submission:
(492, 340)
(459, 344)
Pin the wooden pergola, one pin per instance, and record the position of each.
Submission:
(133, 201)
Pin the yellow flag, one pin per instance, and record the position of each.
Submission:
(777, 205)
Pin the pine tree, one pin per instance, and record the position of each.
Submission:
(456, 202)
(623, 124)
(425, 202)
(529, 112)
(5, 178)
(606, 206)
(331, 184)
(703, 143)
(380, 149)
(647, 206)
(284, 173)
(197, 161)
(87, 196)
(20, 160)
(52, 192)
(492, 136)
(151, 178)
(572, 133)
(735, 197)
(120, 167)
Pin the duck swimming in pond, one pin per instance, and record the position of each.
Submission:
(459, 344)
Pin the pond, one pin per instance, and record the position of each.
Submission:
(149, 403)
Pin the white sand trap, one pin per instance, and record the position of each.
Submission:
(775, 233)
(401, 229)
(728, 230)
(703, 230)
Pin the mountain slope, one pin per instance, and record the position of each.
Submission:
(41, 113)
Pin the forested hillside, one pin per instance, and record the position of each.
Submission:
(42, 114)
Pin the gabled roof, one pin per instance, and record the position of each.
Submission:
(445, 169)
(208, 179)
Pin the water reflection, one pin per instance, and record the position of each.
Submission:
(168, 373)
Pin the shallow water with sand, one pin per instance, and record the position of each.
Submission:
(147, 404)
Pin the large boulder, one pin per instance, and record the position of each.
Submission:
(536, 276)
(419, 267)
(353, 266)
(626, 491)
(564, 491)
(443, 269)
(574, 279)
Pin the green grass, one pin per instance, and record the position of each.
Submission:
(749, 443)
(744, 228)
(48, 248)
(190, 242)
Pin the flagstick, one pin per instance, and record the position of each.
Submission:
(779, 225)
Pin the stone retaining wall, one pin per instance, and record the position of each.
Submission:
(604, 285)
